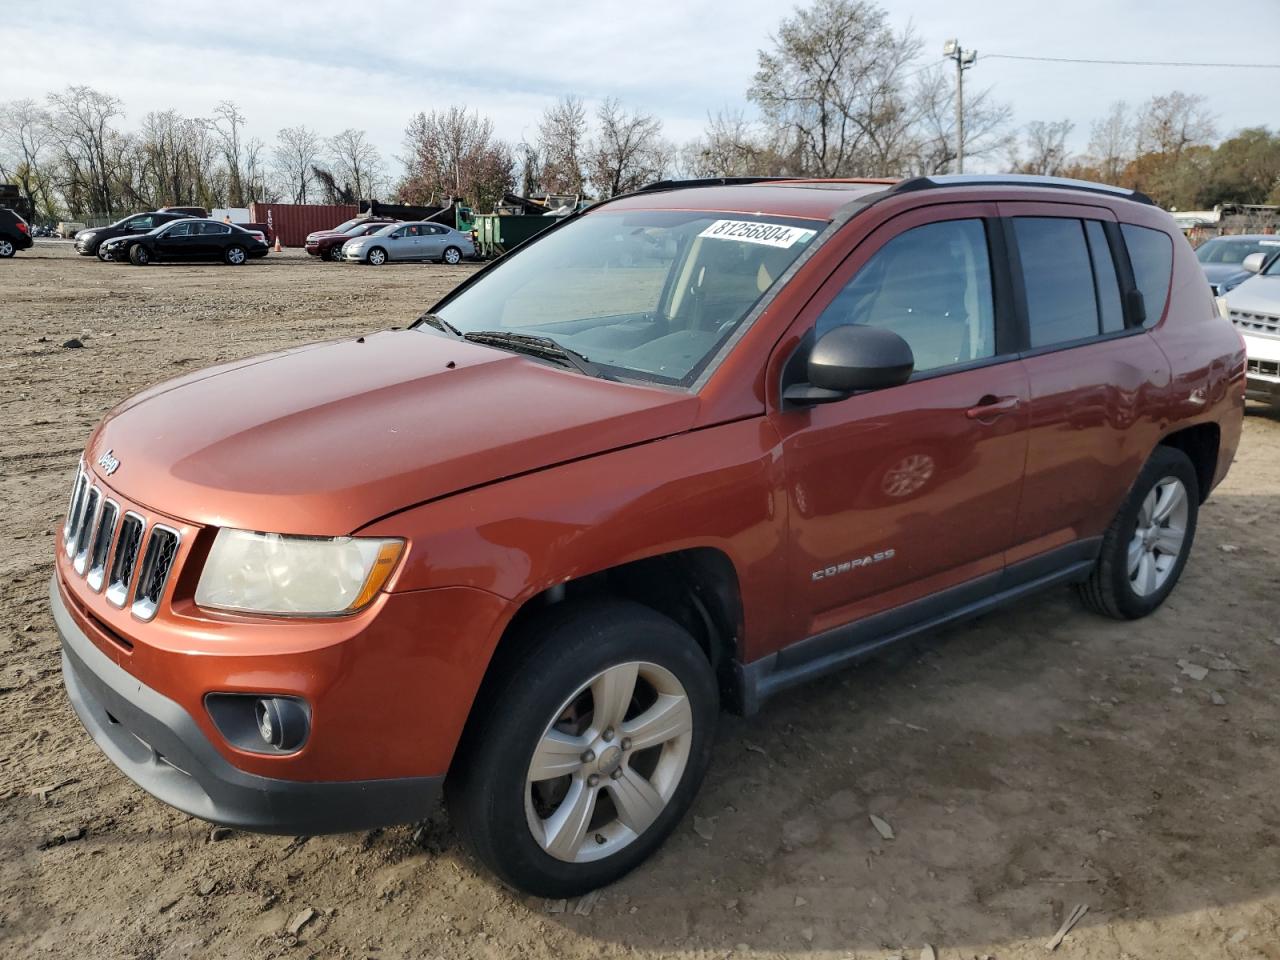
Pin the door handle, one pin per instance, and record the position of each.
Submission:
(990, 407)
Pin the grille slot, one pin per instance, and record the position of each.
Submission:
(126, 558)
(1267, 368)
(74, 510)
(84, 533)
(162, 550)
(101, 545)
(1263, 323)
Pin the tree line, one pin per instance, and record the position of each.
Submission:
(838, 92)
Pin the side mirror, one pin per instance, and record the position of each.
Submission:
(850, 358)
(1254, 262)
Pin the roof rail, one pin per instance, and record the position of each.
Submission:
(707, 182)
(1016, 180)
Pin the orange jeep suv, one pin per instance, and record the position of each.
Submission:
(681, 451)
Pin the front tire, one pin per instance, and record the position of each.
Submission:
(138, 255)
(102, 253)
(377, 257)
(334, 255)
(585, 749)
(1146, 546)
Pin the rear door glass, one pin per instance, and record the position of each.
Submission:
(1106, 283)
(1151, 253)
(1057, 274)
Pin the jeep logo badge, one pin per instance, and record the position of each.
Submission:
(108, 463)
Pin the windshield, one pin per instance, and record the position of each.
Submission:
(348, 224)
(645, 294)
(1230, 250)
(362, 227)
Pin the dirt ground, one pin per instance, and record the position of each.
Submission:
(1037, 759)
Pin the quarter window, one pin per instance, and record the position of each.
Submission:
(1151, 253)
(931, 285)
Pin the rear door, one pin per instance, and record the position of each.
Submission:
(899, 494)
(433, 241)
(1093, 371)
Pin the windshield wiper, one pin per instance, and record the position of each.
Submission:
(544, 348)
(440, 323)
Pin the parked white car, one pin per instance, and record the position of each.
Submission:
(1254, 308)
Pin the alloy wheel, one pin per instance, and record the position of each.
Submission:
(6, 248)
(1159, 536)
(609, 762)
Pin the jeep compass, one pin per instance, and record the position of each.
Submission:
(683, 450)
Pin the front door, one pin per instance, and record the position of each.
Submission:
(899, 493)
(175, 243)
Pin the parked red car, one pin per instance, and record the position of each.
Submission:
(327, 244)
(681, 451)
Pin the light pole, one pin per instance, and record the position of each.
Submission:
(964, 60)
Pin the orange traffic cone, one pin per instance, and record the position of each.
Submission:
(277, 244)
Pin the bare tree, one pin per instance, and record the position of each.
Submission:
(357, 165)
(453, 153)
(228, 126)
(933, 114)
(562, 141)
(1170, 123)
(90, 147)
(1112, 142)
(1046, 144)
(297, 150)
(26, 138)
(834, 82)
(627, 150)
(730, 146)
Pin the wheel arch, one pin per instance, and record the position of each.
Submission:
(1201, 443)
(697, 587)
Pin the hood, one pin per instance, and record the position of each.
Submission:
(1258, 294)
(324, 439)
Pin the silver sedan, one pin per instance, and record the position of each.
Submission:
(410, 241)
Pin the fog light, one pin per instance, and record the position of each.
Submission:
(282, 723)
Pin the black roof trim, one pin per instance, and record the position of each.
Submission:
(708, 182)
(1016, 180)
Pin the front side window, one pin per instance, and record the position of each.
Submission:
(179, 230)
(931, 285)
(647, 294)
(1057, 274)
(140, 223)
(1151, 253)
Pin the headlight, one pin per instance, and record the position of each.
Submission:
(88, 234)
(294, 576)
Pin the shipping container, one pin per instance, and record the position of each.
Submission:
(291, 222)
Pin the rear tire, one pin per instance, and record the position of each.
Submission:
(1146, 546)
(643, 676)
(7, 249)
(452, 256)
(235, 256)
(138, 255)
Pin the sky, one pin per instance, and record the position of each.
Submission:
(372, 65)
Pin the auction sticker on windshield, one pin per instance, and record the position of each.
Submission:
(747, 231)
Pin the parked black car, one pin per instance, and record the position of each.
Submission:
(15, 234)
(89, 242)
(188, 240)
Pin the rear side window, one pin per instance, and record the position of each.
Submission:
(1105, 282)
(1151, 253)
(1057, 273)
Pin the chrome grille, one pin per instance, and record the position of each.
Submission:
(162, 549)
(84, 531)
(101, 546)
(75, 509)
(126, 558)
(1264, 323)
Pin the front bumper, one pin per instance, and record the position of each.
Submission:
(159, 746)
(1262, 368)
